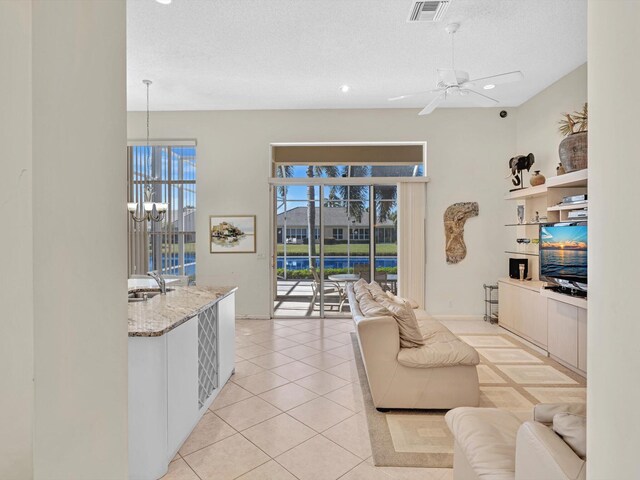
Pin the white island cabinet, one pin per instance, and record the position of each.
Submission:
(181, 353)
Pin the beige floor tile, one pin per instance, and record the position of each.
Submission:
(349, 396)
(252, 351)
(278, 434)
(324, 360)
(288, 396)
(260, 337)
(353, 435)
(299, 352)
(345, 351)
(318, 459)
(246, 368)
(230, 394)
(342, 337)
(320, 414)
(412, 473)
(210, 429)
(295, 370)
(271, 360)
(227, 459)
(559, 394)
(323, 344)
(179, 470)
(247, 413)
(507, 355)
(303, 337)
(285, 332)
(487, 375)
(321, 383)
(261, 382)
(268, 471)
(326, 332)
(532, 374)
(347, 326)
(503, 397)
(311, 326)
(346, 370)
(365, 471)
(279, 343)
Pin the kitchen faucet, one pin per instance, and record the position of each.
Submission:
(161, 284)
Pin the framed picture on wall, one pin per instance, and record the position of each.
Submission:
(232, 233)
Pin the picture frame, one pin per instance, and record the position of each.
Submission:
(232, 234)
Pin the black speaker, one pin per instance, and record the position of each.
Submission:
(514, 267)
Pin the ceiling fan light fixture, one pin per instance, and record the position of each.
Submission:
(489, 86)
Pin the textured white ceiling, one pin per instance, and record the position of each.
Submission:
(281, 54)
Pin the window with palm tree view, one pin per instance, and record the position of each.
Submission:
(355, 236)
(166, 246)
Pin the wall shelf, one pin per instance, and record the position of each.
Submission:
(524, 224)
(578, 178)
(529, 192)
(522, 253)
(573, 206)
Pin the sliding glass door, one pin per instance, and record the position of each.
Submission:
(327, 236)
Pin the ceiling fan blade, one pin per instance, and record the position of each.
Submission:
(447, 76)
(393, 99)
(495, 79)
(433, 104)
(481, 98)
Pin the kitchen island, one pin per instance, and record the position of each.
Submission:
(181, 353)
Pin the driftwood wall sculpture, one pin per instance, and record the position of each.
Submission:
(454, 219)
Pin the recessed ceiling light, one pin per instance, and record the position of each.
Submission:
(489, 87)
(164, 2)
(344, 88)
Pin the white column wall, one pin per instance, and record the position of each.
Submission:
(63, 344)
(613, 391)
(16, 278)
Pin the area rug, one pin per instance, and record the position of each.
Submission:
(512, 376)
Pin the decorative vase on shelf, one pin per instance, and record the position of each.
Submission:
(537, 179)
(573, 152)
(560, 169)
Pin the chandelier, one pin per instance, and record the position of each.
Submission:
(148, 210)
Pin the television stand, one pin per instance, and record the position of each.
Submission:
(574, 292)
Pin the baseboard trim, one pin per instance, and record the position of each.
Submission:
(253, 317)
(457, 317)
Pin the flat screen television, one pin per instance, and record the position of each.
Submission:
(563, 254)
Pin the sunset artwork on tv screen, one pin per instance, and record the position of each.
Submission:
(563, 252)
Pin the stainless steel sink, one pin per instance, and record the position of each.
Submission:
(144, 294)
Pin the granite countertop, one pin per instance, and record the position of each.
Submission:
(163, 313)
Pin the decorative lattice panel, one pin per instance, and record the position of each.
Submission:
(207, 353)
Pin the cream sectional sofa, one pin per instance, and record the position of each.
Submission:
(494, 444)
(441, 374)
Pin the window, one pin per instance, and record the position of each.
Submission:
(338, 234)
(359, 234)
(297, 233)
(167, 246)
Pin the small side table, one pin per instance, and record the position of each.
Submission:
(490, 303)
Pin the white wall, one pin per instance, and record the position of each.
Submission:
(613, 391)
(537, 125)
(16, 278)
(64, 318)
(468, 150)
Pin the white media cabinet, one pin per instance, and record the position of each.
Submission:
(555, 322)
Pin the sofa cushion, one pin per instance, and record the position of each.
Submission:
(487, 437)
(370, 308)
(441, 349)
(395, 298)
(573, 430)
(377, 292)
(360, 288)
(544, 412)
(410, 334)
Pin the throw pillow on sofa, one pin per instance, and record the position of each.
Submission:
(395, 298)
(573, 430)
(370, 308)
(410, 334)
(360, 288)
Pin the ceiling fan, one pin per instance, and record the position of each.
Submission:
(456, 82)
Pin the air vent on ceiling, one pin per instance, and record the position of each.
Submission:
(431, 11)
